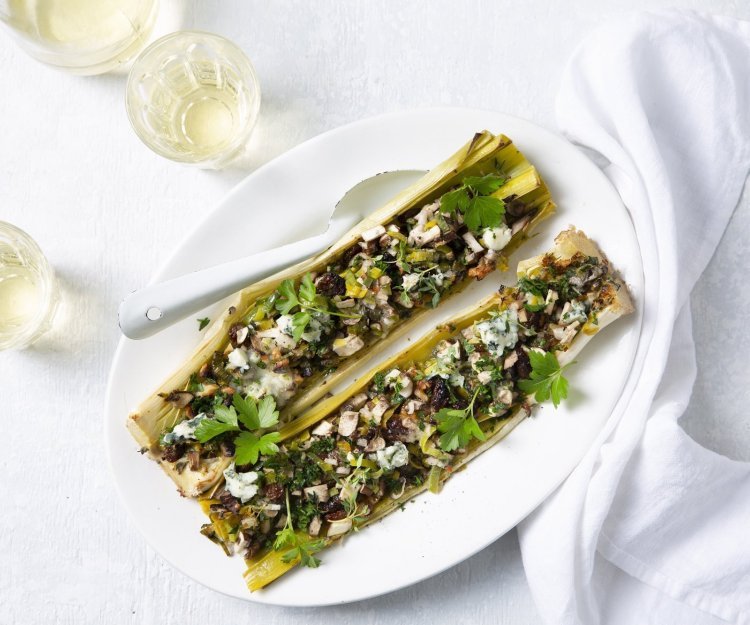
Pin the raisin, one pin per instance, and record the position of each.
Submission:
(332, 506)
(523, 364)
(336, 516)
(439, 394)
(227, 448)
(274, 492)
(230, 502)
(395, 429)
(515, 207)
(331, 284)
(172, 453)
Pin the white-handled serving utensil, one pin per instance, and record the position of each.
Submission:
(156, 307)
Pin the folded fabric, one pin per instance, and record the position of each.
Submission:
(663, 102)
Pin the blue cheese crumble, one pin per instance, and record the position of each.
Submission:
(183, 431)
(500, 332)
(577, 312)
(393, 457)
(241, 485)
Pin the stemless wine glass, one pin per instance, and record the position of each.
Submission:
(28, 291)
(80, 36)
(193, 97)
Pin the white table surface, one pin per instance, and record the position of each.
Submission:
(107, 211)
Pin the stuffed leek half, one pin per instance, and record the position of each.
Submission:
(412, 422)
(289, 337)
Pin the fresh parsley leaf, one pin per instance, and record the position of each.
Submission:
(307, 300)
(286, 537)
(484, 212)
(307, 291)
(208, 429)
(226, 415)
(458, 427)
(287, 298)
(300, 322)
(458, 199)
(225, 420)
(303, 552)
(202, 323)
(246, 411)
(254, 415)
(248, 446)
(546, 378)
(267, 413)
(473, 198)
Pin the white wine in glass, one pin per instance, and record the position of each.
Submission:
(28, 290)
(81, 36)
(193, 97)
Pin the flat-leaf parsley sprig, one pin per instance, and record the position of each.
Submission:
(458, 427)
(306, 300)
(254, 416)
(546, 378)
(474, 200)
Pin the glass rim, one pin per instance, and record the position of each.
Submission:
(250, 119)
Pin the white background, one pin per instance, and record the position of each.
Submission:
(107, 212)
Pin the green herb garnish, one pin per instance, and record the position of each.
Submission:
(546, 378)
(202, 323)
(473, 198)
(306, 301)
(253, 415)
(297, 548)
(458, 426)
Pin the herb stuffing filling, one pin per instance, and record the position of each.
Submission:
(312, 326)
(411, 424)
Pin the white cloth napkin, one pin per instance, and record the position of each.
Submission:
(663, 100)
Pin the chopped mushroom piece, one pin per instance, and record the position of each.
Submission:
(314, 527)
(324, 428)
(339, 527)
(510, 360)
(505, 396)
(358, 400)
(348, 422)
(179, 399)
(317, 493)
(375, 444)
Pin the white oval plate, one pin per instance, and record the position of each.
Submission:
(288, 198)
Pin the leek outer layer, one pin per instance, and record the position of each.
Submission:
(485, 153)
(269, 566)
